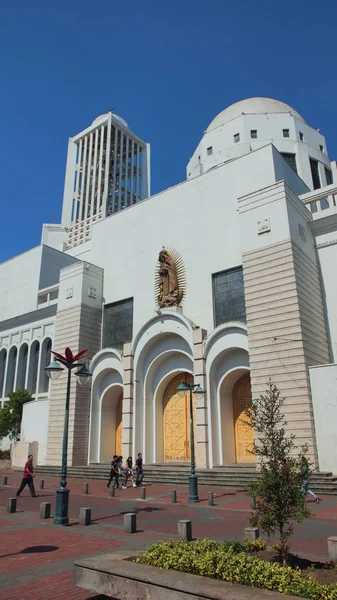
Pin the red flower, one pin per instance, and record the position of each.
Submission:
(68, 355)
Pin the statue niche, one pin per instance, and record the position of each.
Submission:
(170, 292)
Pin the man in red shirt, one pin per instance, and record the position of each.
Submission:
(28, 475)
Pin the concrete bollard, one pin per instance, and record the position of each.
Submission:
(85, 516)
(174, 496)
(130, 523)
(332, 548)
(11, 505)
(112, 492)
(252, 533)
(143, 494)
(252, 503)
(41, 484)
(86, 488)
(210, 499)
(185, 529)
(4, 480)
(45, 508)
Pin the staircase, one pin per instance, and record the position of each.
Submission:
(230, 476)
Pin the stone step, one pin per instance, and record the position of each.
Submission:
(230, 476)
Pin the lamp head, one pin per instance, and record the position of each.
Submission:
(54, 369)
(199, 392)
(83, 375)
(182, 389)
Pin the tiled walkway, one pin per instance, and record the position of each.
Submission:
(36, 556)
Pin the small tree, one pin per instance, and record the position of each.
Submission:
(11, 413)
(277, 492)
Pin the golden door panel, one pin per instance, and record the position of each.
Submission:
(176, 422)
(244, 435)
(119, 426)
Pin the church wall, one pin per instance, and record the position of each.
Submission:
(324, 393)
(326, 242)
(127, 245)
(19, 282)
(34, 426)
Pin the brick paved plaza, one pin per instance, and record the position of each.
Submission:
(36, 557)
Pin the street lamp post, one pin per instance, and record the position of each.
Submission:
(193, 478)
(54, 370)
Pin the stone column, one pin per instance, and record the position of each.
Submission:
(78, 326)
(201, 419)
(127, 419)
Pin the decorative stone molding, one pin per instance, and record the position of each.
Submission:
(263, 226)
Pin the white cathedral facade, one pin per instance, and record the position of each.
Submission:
(244, 291)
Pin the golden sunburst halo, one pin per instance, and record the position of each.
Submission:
(180, 267)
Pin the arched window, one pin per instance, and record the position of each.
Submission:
(3, 358)
(45, 360)
(33, 367)
(22, 367)
(12, 356)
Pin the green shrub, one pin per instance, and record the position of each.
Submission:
(227, 562)
(246, 546)
(4, 454)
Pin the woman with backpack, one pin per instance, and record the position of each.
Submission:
(128, 472)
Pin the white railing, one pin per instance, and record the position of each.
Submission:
(323, 200)
(80, 232)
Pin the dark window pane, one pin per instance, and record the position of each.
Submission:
(290, 160)
(118, 324)
(229, 296)
(314, 173)
(328, 176)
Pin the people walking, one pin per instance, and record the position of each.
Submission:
(304, 470)
(139, 469)
(119, 467)
(27, 479)
(113, 472)
(128, 473)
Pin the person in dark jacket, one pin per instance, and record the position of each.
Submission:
(139, 469)
(113, 472)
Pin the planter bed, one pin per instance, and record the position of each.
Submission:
(115, 575)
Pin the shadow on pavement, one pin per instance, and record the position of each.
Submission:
(33, 550)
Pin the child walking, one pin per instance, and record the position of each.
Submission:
(304, 468)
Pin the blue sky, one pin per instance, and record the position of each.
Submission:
(167, 67)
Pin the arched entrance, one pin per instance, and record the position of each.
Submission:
(111, 424)
(119, 426)
(244, 435)
(177, 421)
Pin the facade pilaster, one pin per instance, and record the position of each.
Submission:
(77, 326)
(127, 401)
(285, 316)
(201, 417)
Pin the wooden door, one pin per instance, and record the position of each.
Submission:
(119, 426)
(244, 435)
(177, 422)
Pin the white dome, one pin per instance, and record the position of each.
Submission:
(252, 106)
(105, 116)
